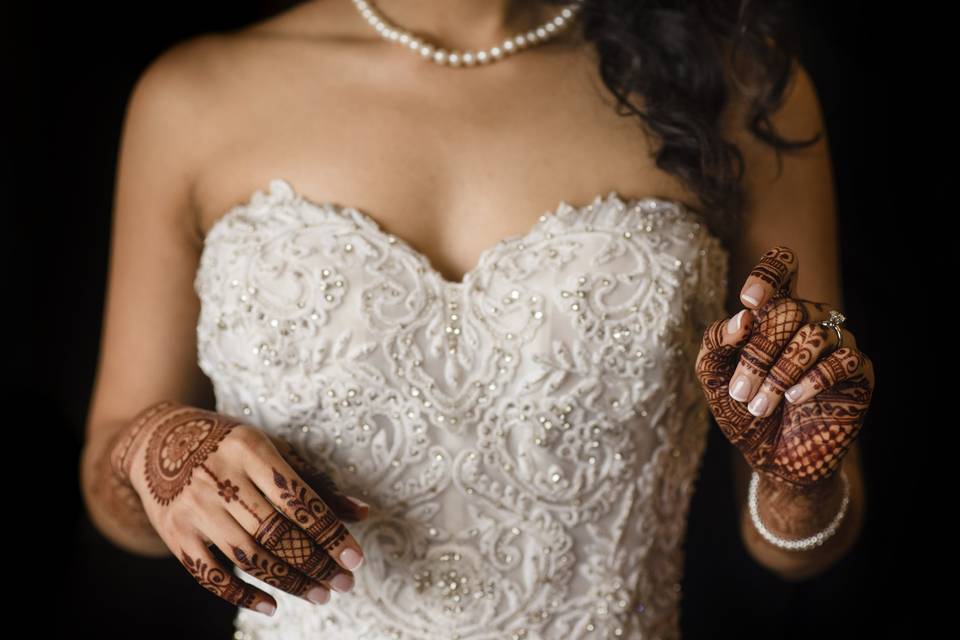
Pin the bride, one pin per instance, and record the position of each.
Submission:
(420, 312)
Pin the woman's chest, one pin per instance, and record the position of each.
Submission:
(451, 170)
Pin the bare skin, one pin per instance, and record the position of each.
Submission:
(408, 141)
(316, 97)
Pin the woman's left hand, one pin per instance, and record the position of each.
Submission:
(779, 347)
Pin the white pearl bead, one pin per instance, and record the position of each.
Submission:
(537, 35)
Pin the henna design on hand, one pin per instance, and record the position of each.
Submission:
(177, 446)
(279, 574)
(173, 442)
(800, 443)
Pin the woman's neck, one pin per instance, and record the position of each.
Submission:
(465, 24)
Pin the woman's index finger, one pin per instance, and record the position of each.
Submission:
(775, 275)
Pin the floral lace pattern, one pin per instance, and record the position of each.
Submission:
(528, 439)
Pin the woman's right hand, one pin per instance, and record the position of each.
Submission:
(206, 478)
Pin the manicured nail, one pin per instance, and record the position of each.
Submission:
(351, 559)
(739, 389)
(733, 325)
(318, 595)
(358, 502)
(758, 404)
(265, 607)
(753, 294)
(342, 582)
(793, 392)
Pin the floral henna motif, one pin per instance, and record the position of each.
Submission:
(178, 445)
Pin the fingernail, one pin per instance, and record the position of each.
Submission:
(733, 325)
(753, 294)
(265, 607)
(758, 404)
(318, 595)
(358, 502)
(351, 559)
(739, 390)
(793, 392)
(342, 582)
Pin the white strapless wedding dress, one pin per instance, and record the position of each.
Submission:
(528, 438)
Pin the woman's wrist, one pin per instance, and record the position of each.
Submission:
(793, 511)
(113, 501)
(125, 444)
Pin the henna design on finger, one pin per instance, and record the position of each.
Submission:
(775, 269)
(291, 544)
(277, 574)
(775, 323)
(313, 514)
(840, 364)
(217, 581)
(321, 481)
(229, 491)
(802, 351)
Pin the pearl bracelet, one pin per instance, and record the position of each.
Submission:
(801, 544)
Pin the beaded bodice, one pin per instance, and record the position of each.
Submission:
(528, 438)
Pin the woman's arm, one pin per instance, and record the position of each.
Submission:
(794, 206)
(148, 340)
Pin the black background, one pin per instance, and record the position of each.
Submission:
(73, 68)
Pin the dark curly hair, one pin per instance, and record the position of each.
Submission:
(685, 58)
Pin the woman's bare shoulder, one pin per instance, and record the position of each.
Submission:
(209, 63)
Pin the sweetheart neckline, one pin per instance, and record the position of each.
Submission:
(276, 187)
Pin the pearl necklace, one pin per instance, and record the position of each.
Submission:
(442, 56)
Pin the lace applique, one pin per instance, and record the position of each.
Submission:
(528, 438)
